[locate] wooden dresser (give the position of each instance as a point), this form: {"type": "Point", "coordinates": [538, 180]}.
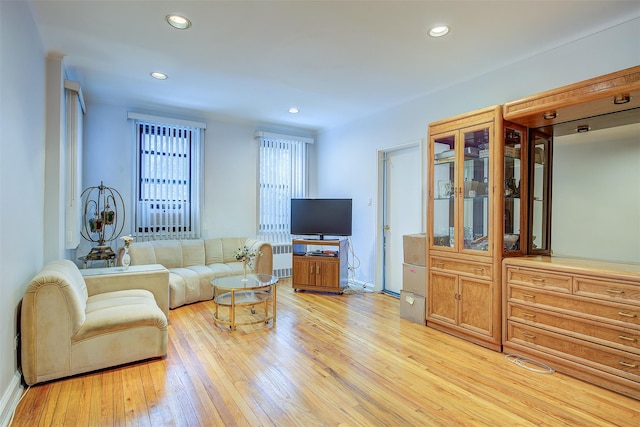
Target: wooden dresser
{"type": "Point", "coordinates": [580, 317]}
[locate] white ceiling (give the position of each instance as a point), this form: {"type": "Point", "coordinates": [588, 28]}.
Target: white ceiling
{"type": "Point", "coordinates": [335, 60]}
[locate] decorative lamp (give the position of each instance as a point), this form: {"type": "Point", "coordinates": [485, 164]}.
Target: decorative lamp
{"type": "Point", "coordinates": [103, 218]}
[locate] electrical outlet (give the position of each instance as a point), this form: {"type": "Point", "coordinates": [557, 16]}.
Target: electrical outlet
{"type": "Point", "coordinates": [16, 342]}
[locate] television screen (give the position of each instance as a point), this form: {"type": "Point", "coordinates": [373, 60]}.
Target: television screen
{"type": "Point", "coordinates": [321, 217]}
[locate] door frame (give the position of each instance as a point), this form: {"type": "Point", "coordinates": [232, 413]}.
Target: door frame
{"type": "Point", "coordinates": [380, 212]}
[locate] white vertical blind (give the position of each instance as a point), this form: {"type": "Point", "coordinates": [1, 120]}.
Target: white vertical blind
{"type": "Point", "coordinates": [169, 176]}
{"type": "Point", "coordinates": [282, 177]}
{"type": "Point", "coordinates": [73, 128]}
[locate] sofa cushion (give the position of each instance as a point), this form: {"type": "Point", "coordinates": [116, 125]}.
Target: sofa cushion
{"type": "Point", "coordinates": [184, 287]}
{"type": "Point", "coordinates": [213, 251]}
{"type": "Point", "coordinates": [206, 275]}
{"type": "Point", "coordinates": [220, 269]}
{"type": "Point", "coordinates": [143, 253]}
{"type": "Point", "coordinates": [229, 247]}
{"type": "Point", "coordinates": [116, 311]}
{"type": "Point", "coordinates": [192, 252]}
{"type": "Point", "coordinates": [168, 253]}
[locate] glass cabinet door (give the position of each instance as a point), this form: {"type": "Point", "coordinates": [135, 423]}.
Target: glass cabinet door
{"type": "Point", "coordinates": [473, 190]}
{"type": "Point", "coordinates": [444, 182]}
{"type": "Point", "coordinates": [514, 191]}
{"type": "Point", "coordinates": [540, 190]}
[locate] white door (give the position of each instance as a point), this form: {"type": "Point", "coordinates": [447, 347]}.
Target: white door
{"type": "Point", "coordinates": [403, 209]}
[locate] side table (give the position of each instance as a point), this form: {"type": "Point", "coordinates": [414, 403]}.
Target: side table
{"type": "Point", "coordinates": [245, 291]}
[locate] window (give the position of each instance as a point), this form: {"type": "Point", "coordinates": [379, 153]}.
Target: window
{"type": "Point", "coordinates": [168, 180]}
{"type": "Point", "coordinates": [282, 176]}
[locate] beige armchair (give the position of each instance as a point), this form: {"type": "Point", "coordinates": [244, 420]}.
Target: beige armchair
{"type": "Point", "coordinates": [65, 331]}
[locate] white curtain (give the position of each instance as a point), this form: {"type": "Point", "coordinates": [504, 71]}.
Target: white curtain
{"type": "Point", "coordinates": [282, 177]}
{"type": "Point", "coordinates": [169, 180]}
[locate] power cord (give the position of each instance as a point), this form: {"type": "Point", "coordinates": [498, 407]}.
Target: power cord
{"type": "Point", "coordinates": [525, 363]}
{"type": "Point", "coordinates": [354, 263]}
{"type": "Point", "coordinates": [353, 257]}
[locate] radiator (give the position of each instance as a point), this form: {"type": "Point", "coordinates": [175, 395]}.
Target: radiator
{"type": "Point", "coordinates": [282, 259]}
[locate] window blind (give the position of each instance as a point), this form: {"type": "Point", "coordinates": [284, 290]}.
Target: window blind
{"type": "Point", "coordinates": [282, 176]}
{"type": "Point", "coordinates": [169, 175]}
{"type": "Point", "coordinates": [75, 108]}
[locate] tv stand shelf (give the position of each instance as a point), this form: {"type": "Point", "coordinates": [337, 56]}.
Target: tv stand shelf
{"type": "Point", "coordinates": [316, 269]}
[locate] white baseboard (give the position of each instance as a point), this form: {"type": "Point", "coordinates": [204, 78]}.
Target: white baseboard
{"type": "Point", "coordinates": [10, 399]}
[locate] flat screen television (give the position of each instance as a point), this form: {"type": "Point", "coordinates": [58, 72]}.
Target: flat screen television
{"type": "Point", "coordinates": [321, 217]}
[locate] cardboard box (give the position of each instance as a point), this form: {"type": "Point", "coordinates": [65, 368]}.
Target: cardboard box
{"type": "Point", "coordinates": [412, 307]}
{"type": "Point", "coordinates": [414, 279]}
{"type": "Point", "coordinates": [415, 248]}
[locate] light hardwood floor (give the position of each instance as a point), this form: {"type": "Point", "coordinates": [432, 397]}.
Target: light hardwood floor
{"type": "Point", "coordinates": [331, 360]}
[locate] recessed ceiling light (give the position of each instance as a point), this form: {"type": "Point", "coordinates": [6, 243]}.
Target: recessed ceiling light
{"type": "Point", "coordinates": [294, 110]}
{"type": "Point", "coordinates": [439, 31]}
{"type": "Point", "coordinates": [158, 75]}
{"type": "Point", "coordinates": [178, 21]}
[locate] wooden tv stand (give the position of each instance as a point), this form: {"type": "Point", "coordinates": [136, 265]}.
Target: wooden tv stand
{"type": "Point", "coordinates": [317, 271]}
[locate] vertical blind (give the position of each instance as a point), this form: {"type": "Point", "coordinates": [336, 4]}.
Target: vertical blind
{"type": "Point", "coordinates": [169, 175]}
{"type": "Point", "coordinates": [282, 177]}
{"type": "Point", "coordinates": [75, 108]}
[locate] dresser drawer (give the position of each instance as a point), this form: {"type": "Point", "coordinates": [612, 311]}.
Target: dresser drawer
{"type": "Point", "coordinates": [539, 279]}
{"type": "Point", "coordinates": [466, 268]}
{"type": "Point", "coordinates": [617, 362]}
{"type": "Point", "coordinates": [617, 314]}
{"type": "Point", "coordinates": [621, 338]}
{"type": "Point", "coordinates": [610, 290]}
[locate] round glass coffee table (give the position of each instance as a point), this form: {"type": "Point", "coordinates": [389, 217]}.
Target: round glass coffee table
{"type": "Point", "coordinates": [240, 291]}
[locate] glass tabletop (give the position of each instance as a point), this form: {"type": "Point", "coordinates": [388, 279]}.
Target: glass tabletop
{"type": "Point", "coordinates": [237, 282]}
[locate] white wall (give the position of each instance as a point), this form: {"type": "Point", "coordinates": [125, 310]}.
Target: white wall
{"type": "Point", "coordinates": [22, 115]}
{"type": "Point", "coordinates": [607, 51]}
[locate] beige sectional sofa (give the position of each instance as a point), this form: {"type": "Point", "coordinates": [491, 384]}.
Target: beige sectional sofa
{"type": "Point", "coordinates": [192, 263]}
{"type": "Point", "coordinates": [69, 325]}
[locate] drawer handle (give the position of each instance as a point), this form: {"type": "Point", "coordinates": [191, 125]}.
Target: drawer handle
{"type": "Point", "coordinates": [478, 270]}
{"type": "Point", "coordinates": [622, 313]}
{"type": "Point", "coordinates": [615, 291]}
{"type": "Point", "coordinates": [528, 296]}
{"type": "Point", "coordinates": [622, 337]}
{"type": "Point", "coordinates": [439, 264]}
{"type": "Point", "coordinates": [526, 335]}
{"type": "Point", "coordinates": [537, 279]}
{"type": "Point", "coordinates": [628, 365]}
{"type": "Point", "coordinates": [528, 315]}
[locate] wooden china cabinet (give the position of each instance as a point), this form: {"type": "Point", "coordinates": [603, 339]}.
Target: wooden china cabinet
{"type": "Point", "coordinates": [580, 316]}
{"type": "Point", "coordinates": [492, 276]}
{"type": "Point", "coordinates": [476, 215]}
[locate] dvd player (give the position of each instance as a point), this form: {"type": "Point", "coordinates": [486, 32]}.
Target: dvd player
{"type": "Point", "coordinates": [323, 253]}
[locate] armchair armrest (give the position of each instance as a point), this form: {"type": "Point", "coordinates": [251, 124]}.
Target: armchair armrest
{"type": "Point", "coordinates": [262, 264]}
{"type": "Point", "coordinates": [152, 277]}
